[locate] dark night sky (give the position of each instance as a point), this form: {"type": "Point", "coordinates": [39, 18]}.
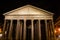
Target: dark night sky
{"type": "Point", "coordinates": [49, 5]}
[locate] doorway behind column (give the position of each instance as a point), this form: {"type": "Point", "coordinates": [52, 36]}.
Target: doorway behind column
{"type": "Point", "coordinates": [43, 30]}
{"type": "Point", "coordinates": [7, 28]}
{"type": "Point", "coordinates": [28, 30]}
{"type": "Point", "coordinates": [36, 30]}
{"type": "Point", "coordinates": [14, 29]}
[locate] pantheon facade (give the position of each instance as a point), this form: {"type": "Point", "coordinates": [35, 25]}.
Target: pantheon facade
{"type": "Point", "coordinates": [28, 23]}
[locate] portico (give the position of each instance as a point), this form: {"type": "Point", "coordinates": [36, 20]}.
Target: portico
{"type": "Point", "coordinates": [28, 23]}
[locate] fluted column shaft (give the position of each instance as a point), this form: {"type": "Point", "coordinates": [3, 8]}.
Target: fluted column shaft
{"type": "Point", "coordinates": [24, 33]}
{"type": "Point", "coordinates": [46, 29]}
{"type": "Point", "coordinates": [4, 30]}
{"type": "Point", "coordinates": [32, 30]}
{"type": "Point", "coordinates": [21, 25]}
{"type": "Point", "coordinates": [17, 30]}
{"type": "Point", "coordinates": [54, 37]}
{"type": "Point", "coordinates": [39, 30]}
{"type": "Point", "coordinates": [10, 31]}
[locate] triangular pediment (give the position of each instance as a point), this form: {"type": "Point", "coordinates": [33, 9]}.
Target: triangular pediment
{"type": "Point", "coordinates": [28, 10]}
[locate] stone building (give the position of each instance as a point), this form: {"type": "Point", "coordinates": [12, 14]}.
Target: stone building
{"type": "Point", "coordinates": [28, 23]}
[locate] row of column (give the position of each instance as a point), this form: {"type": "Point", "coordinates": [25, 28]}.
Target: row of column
{"type": "Point", "coordinates": [19, 29]}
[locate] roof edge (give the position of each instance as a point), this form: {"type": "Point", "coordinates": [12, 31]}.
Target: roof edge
{"type": "Point", "coordinates": [27, 6]}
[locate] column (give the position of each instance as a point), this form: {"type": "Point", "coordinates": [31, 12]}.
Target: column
{"type": "Point", "coordinates": [32, 30]}
{"type": "Point", "coordinates": [10, 31]}
{"type": "Point", "coordinates": [24, 33]}
{"type": "Point", "coordinates": [39, 30]}
{"type": "Point", "coordinates": [4, 30]}
{"type": "Point", "coordinates": [48, 25]}
{"type": "Point", "coordinates": [46, 30]}
{"type": "Point", "coordinates": [7, 28]}
{"type": "Point", "coordinates": [54, 37]}
{"type": "Point", "coordinates": [17, 30]}
{"type": "Point", "coordinates": [50, 29]}
{"type": "Point", "coordinates": [21, 31]}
